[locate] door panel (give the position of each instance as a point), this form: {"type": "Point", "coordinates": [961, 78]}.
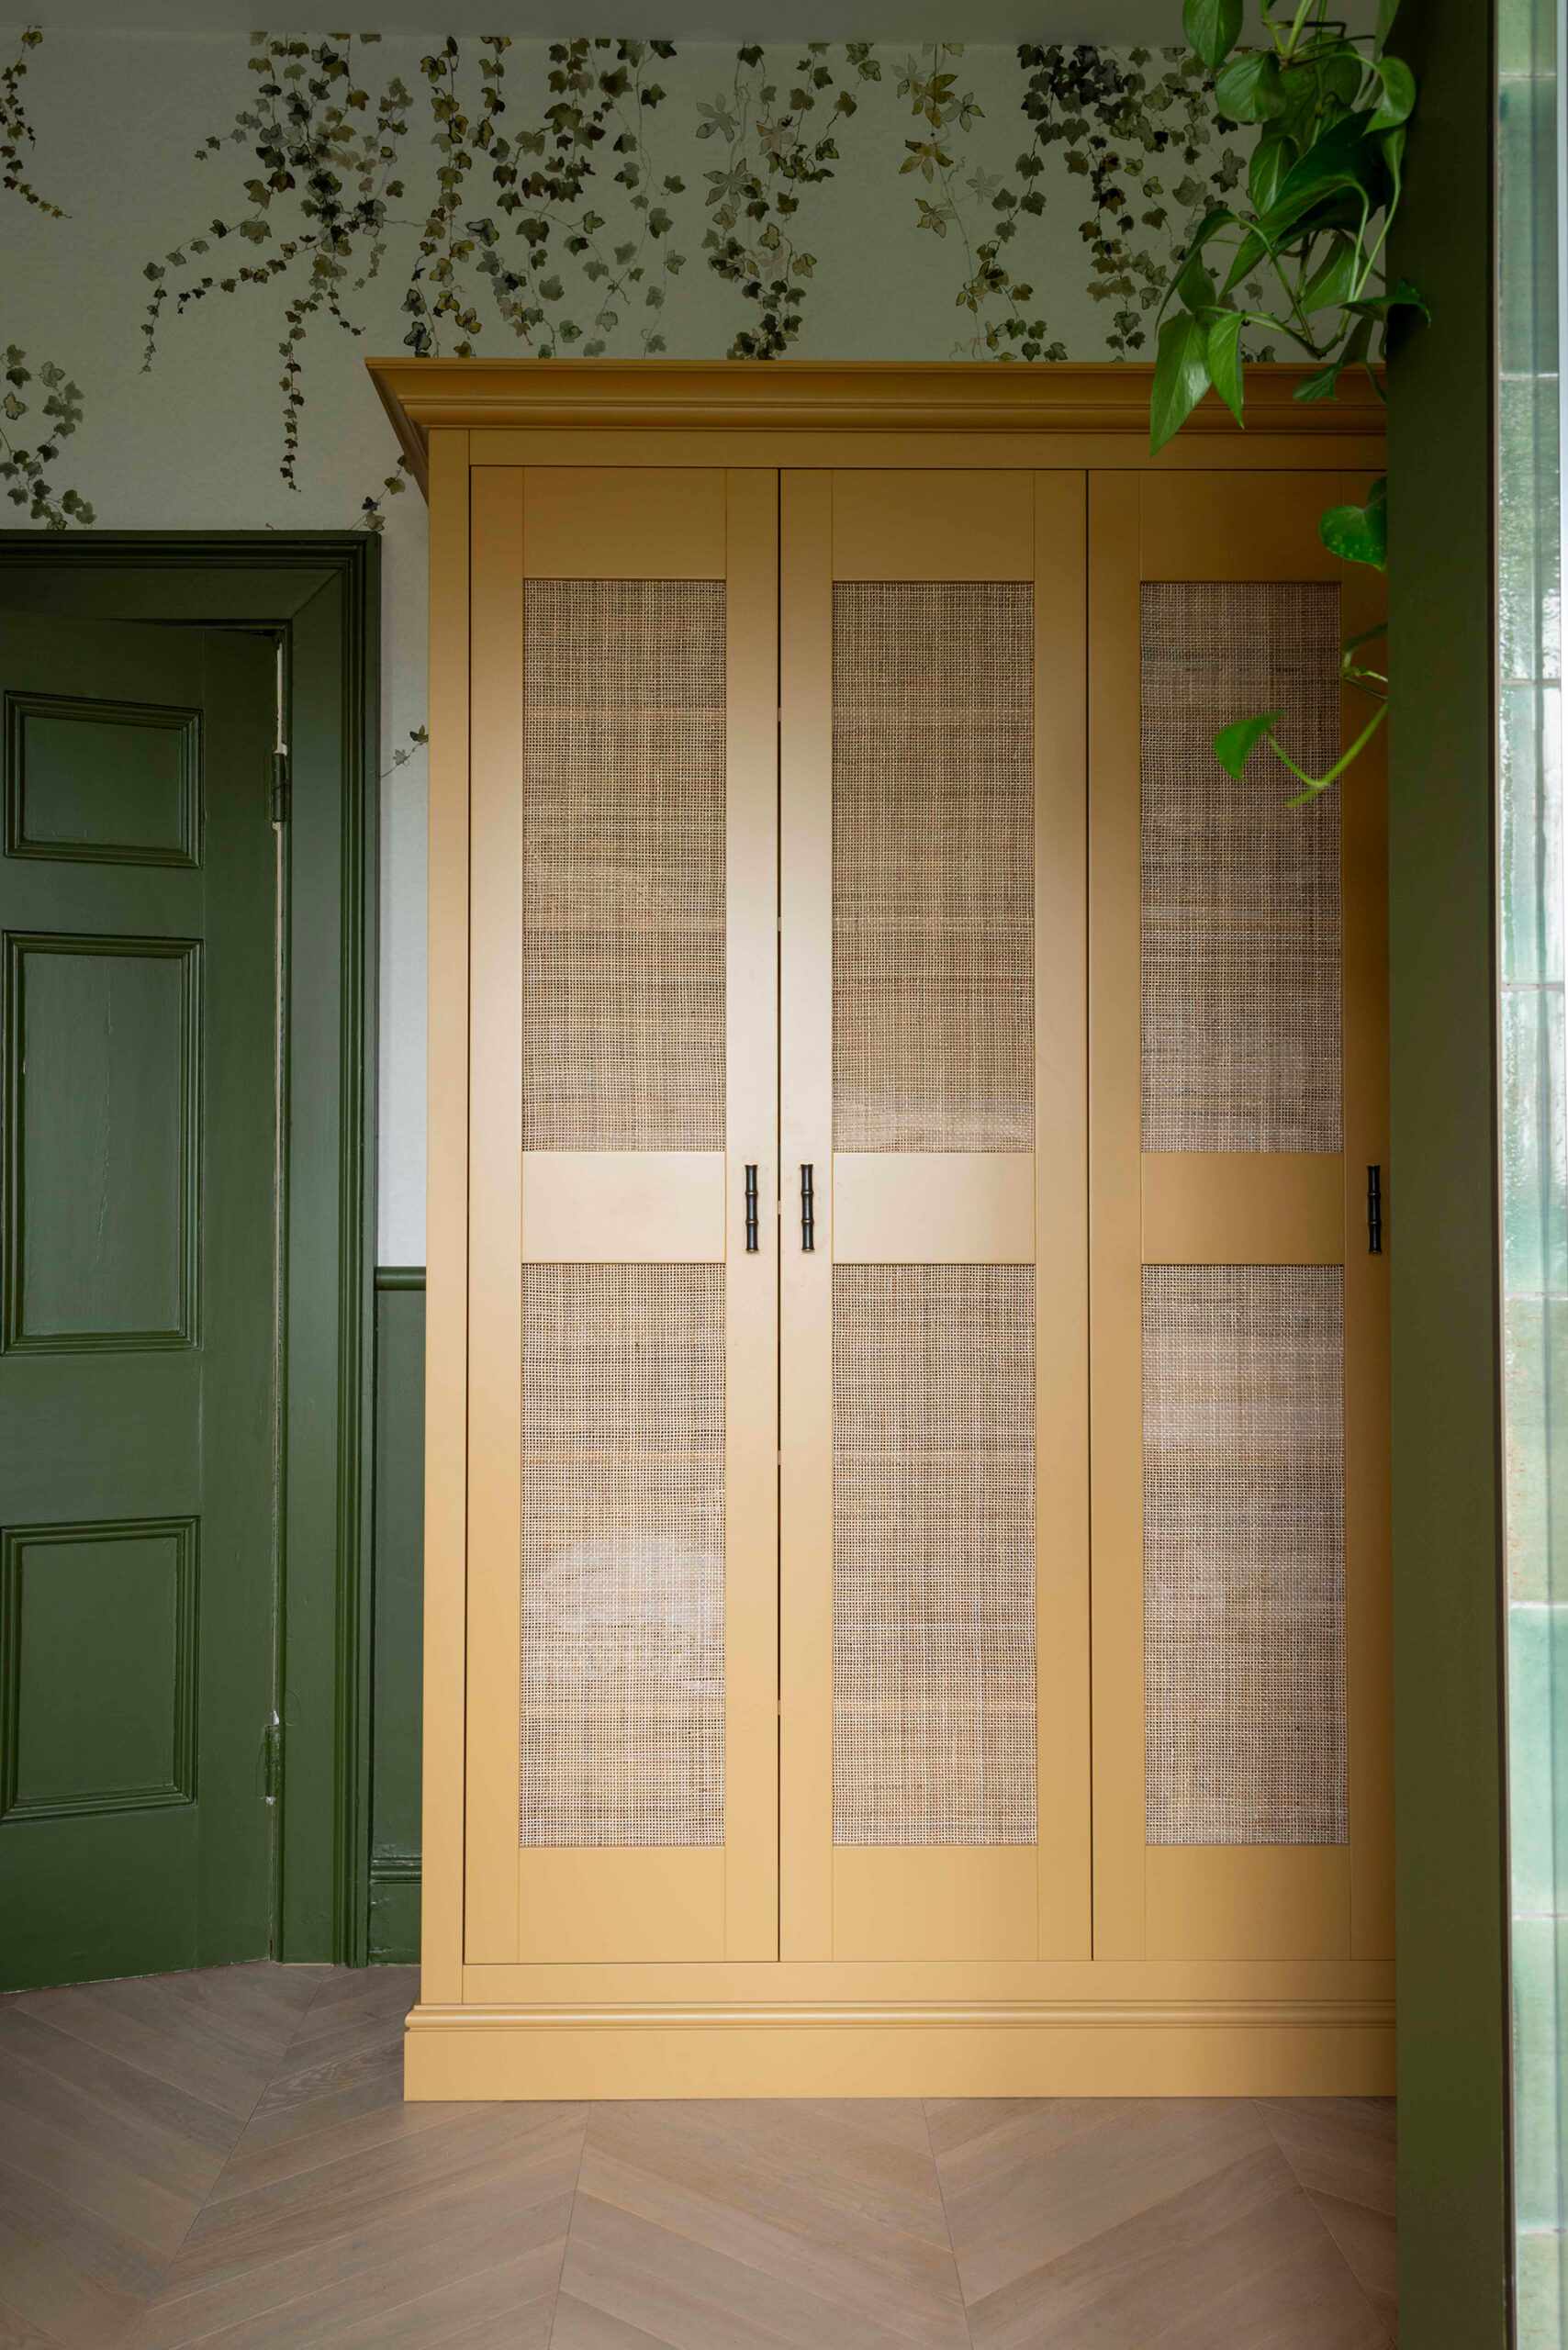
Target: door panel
{"type": "Point", "coordinates": [1240, 1543]}
{"type": "Point", "coordinates": [138, 899]}
{"type": "Point", "coordinates": [104, 1037]}
{"type": "Point", "coordinates": [935, 1560]}
{"type": "Point", "coordinates": [622, 1457]}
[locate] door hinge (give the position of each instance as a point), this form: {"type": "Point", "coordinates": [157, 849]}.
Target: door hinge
{"type": "Point", "coordinates": [271, 1759]}
{"type": "Point", "coordinates": [280, 787]}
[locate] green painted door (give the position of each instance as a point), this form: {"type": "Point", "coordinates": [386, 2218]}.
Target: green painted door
{"type": "Point", "coordinates": [137, 900]}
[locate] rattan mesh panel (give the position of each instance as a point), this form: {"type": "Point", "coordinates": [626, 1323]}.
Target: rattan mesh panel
{"type": "Point", "coordinates": [933, 882]}
{"type": "Point", "coordinates": [624, 846]}
{"type": "Point", "coordinates": [1244, 1554]}
{"type": "Point", "coordinates": [623, 1554]}
{"type": "Point", "coordinates": [1240, 891]}
{"type": "Point", "coordinates": [934, 1554]}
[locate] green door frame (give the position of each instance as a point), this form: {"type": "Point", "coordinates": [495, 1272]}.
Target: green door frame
{"type": "Point", "coordinates": [1452, 1982]}
{"type": "Point", "coordinates": [319, 591]}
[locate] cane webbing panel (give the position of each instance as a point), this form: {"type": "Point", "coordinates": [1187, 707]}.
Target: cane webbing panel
{"type": "Point", "coordinates": [934, 1554]}
{"type": "Point", "coordinates": [1244, 1554]}
{"type": "Point", "coordinates": [933, 857]}
{"type": "Point", "coordinates": [1240, 891]}
{"type": "Point", "coordinates": [623, 1554]}
{"type": "Point", "coordinates": [623, 851]}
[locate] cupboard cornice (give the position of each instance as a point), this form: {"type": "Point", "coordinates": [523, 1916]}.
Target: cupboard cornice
{"type": "Point", "coordinates": [790, 410]}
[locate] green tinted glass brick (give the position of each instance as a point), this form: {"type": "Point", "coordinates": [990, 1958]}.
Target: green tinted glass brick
{"type": "Point", "coordinates": [1531, 844]}
{"type": "Point", "coordinates": [1541, 2274]}
{"type": "Point", "coordinates": [1537, 1756]}
{"type": "Point", "coordinates": [1535, 1180]}
{"type": "Point", "coordinates": [1535, 1398]}
{"type": "Point", "coordinates": [1540, 1949]}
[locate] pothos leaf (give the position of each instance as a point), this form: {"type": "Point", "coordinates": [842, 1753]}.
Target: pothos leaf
{"type": "Point", "coordinates": [1224, 358]}
{"type": "Point", "coordinates": [1360, 534]}
{"type": "Point", "coordinates": [1405, 296]}
{"type": "Point", "coordinates": [1332, 281]}
{"type": "Point", "coordinates": [1213, 28]}
{"type": "Point", "coordinates": [1180, 378]}
{"type": "Point", "coordinates": [1387, 12]}
{"type": "Point", "coordinates": [1249, 88]}
{"type": "Point", "coordinates": [1345, 157]}
{"type": "Point", "coordinates": [1235, 744]}
{"type": "Point", "coordinates": [1272, 159]}
{"type": "Point", "coordinates": [1249, 253]}
{"type": "Point", "coordinates": [1399, 94]}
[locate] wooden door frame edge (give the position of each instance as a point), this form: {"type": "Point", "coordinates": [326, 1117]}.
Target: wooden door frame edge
{"type": "Point", "coordinates": [328, 608]}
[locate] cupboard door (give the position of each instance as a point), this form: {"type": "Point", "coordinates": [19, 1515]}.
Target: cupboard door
{"type": "Point", "coordinates": [934, 1715]}
{"type": "Point", "coordinates": [622, 1485]}
{"type": "Point", "coordinates": [1239, 1091]}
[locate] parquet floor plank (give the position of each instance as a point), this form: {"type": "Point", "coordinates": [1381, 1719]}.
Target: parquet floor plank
{"type": "Point", "coordinates": [119, 2104]}
{"type": "Point", "coordinates": [345, 2216]}
{"type": "Point", "coordinates": [1343, 2151]}
{"type": "Point", "coordinates": [799, 2221]}
{"type": "Point", "coordinates": [224, 2161]}
{"type": "Point", "coordinates": [1124, 2224]}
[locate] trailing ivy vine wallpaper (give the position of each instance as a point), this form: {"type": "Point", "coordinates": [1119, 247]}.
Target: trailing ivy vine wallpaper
{"type": "Point", "coordinates": [204, 237]}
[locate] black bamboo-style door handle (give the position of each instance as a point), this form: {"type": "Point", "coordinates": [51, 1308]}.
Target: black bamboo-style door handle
{"type": "Point", "coordinates": [807, 1212]}
{"type": "Point", "coordinates": [1375, 1211]}
{"type": "Point", "coordinates": [751, 1241]}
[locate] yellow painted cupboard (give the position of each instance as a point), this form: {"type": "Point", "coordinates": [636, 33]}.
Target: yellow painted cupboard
{"type": "Point", "coordinates": [906, 1540]}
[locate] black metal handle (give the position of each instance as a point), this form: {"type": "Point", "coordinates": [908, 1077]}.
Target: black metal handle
{"type": "Point", "coordinates": [751, 1242]}
{"type": "Point", "coordinates": [807, 1212]}
{"type": "Point", "coordinates": [1375, 1211]}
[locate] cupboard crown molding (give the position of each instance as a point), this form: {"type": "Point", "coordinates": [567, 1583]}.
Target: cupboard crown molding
{"type": "Point", "coordinates": [1103, 402]}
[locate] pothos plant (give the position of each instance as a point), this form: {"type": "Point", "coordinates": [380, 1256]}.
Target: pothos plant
{"type": "Point", "coordinates": [1305, 254]}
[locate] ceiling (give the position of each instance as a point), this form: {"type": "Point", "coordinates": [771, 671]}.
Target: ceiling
{"type": "Point", "coordinates": [1112, 23]}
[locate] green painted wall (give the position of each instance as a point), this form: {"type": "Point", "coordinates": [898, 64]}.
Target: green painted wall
{"type": "Point", "coordinates": [398, 1593]}
{"type": "Point", "coordinates": [1453, 2241]}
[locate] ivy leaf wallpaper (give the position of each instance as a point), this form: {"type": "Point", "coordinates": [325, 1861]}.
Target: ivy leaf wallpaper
{"type": "Point", "coordinates": [205, 235]}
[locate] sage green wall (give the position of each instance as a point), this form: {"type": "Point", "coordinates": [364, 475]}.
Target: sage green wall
{"type": "Point", "coordinates": [1453, 2237]}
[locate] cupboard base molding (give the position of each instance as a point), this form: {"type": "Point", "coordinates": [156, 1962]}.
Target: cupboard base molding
{"type": "Point", "coordinates": [1013, 2048]}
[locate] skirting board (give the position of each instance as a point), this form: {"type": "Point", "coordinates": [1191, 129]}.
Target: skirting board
{"type": "Point", "coordinates": [1198, 2048]}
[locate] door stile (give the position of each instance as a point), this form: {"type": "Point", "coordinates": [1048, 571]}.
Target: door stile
{"type": "Point", "coordinates": [444, 1760]}
{"type": "Point", "coordinates": [751, 1353]}
{"type": "Point", "coordinates": [1061, 1213]}
{"type": "Point", "coordinates": [495, 1210]}
{"type": "Point", "coordinates": [1115, 1380]}
{"type": "Point", "coordinates": [805, 769]}
{"type": "Point", "coordinates": [1369, 1594]}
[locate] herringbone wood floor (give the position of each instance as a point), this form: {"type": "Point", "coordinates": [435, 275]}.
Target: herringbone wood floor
{"type": "Point", "coordinates": [225, 2159]}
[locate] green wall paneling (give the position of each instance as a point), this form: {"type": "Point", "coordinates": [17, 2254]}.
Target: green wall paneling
{"type": "Point", "coordinates": [320, 591]}
{"type": "Point", "coordinates": [394, 1931]}
{"type": "Point", "coordinates": [1444, 1222]}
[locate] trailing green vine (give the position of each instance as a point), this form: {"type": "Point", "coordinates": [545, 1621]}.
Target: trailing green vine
{"type": "Point", "coordinates": [935, 99]}
{"type": "Point", "coordinates": [330, 170]}
{"type": "Point", "coordinates": [1306, 253]}
{"type": "Point", "coordinates": [17, 135]}
{"type": "Point", "coordinates": [26, 470]}
{"type": "Point", "coordinates": [1124, 122]}
{"type": "Point", "coordinates": [602, 90]}
{"type": "Point", "coordinates": [751, 242]}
